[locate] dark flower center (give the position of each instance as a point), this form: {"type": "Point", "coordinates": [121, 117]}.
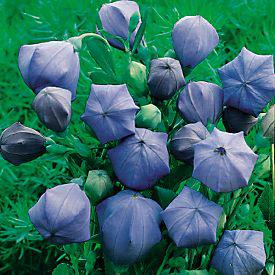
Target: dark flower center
{"type": "Point", "coordinates": [135, 196]}
{"type": "Point", "coordinates": [220, 150]}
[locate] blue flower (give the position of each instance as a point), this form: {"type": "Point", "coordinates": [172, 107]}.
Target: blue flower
{"type": "Point", "coordinates": [165, 77]}
{"type": "Point", "coordinates": [223, 161]}
{"type": "Point", "coordinates": [110, 112]}
{"type": "Point", "coordinates": [248, 82]}
{"type": "Point", "coordinates": [53, 63]}
{"type": "Point", "coordinates": [236, 121]}
{"type": "Point", "coordinates": [201, 101]}
{"type": "Point", "coordinates": [193, 39]}
{"type": "Point", "coordinates": [62, 215]}
{"type": "Point", "coordinates": [19, 144]}
{"type": "Point", "coordinates": [115, 19]}
{"type": "Point", "coordinates": [184, 139]}
{"type": "Point", "coordinates": [129, 225]}
{"type": "Point", "coordinates": [141, 159]}
{"type": "Point", "coordinates": [240, 252]}
{"type": "Point", "coordinates": [53, 108]}
{"type": "Point", "coordinates": [191, 219]}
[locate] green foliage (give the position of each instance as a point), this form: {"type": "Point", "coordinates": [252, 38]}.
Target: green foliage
{"type": "Point", "coordinates": [22, 251]}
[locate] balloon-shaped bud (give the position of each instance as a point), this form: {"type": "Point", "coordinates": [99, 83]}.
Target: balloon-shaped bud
{"type": "Point", "coordinates": [149, 117]}
{"type": "Point", "coordinates": [188, 217]}
{"type": "Point", "coordinates": [19, 144]}
{"type": "Point", "coordinates": [141, 159]}
{"type": "Point", "coordinates": [137, 79]}
{"type": "Point", "coordinates": [268, 124]}
{"type": "Point", "coordinates": [53, 107]}
{"type": "Point", "coordinates": [98, 186]}
{"type": "Point", "coordinates": [129, 225]}
{"type": "Point", "coordinates": [248, 82]}
{"type": "Point", "coordinates": [193, 39]}
{"type": "Point", "coordinates": [165, 77]}
{"type": "Point", "coordinates": [184, 139]}
{"type": "Point", "coordinates": [240, 252]}
{"type": "Point", "coordinates": [236, 121]}
{"type": "Point", "coordinates": [223, 161]}
{"type": "Point", "coordinates": [53, 63]}
{"type": "Point", "coordinates": [62, 215]}
{"type": "Point", "coordinates": [115, 18]}
{"type": "Point", "coordinates": [201, 101]}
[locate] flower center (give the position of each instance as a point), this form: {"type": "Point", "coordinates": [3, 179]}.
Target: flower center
{"type": "Point", "coordinates": [220, 150]}
{"type": "Point", "coordinates": [135, 196]}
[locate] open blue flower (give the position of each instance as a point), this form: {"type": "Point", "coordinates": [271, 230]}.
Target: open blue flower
{"type": "Point", "coordinates": [129, 225]}
{"type": "Point", "coordinates": [191, 219]}
{"type": "Point", "coordinates": [115, 19]}
{"type": "Point", "coordinates": [141, 159]}
{"type": "Point", "coordinates": [110, 112]}
{"type": "Point", "coordinates": [223, 161]}
{"type": "Point", "coordinates": [53, 63]}
{"type": "Point", "coordinates": [193, 39]}
{"type": "Point", "coordinates": [201, 101]}
{"type": "Point", "coordinates": [62, 215]}
{"type": "Point", "coordinates": [248, 82]}
{"type": "Point", "coordinates": [240, 252]}
{"type": "Point", "coordinates": [184, 139]}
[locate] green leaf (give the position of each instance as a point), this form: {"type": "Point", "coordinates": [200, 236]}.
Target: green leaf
{"type": "Point", "coordinates": [90, 262]}
{"type": "Point", "coordinates": [100, 51]}
{"type": "Point", "coordinates": [62, 269]}
{"type": "Point", "coordinates": [140, 31]}
{"type": "Point", "coordinates": [195, 272]}
{"type": "Point", "coordinates": [164, 196]}
{"type": "Point", "coordinates": [133, 22]}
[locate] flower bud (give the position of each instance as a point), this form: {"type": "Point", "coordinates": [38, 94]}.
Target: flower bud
{"type": "Point", "coordinates": [184, 139]}
{"type": "Point", "coordinates": [149, 117]}
{"type": "Point", "coordinates": [53, 107]}
{"type": "Point", "coordinates": [165, 77]}
{"type": "Point", "coordinates": [236, 121]}
{"type": "Point", "coordinates": [129, 225]}
{"type": "Point", "coordinates": [62, 215]}
{"type": "Point", "coordinates": [137, 79]}
{"type": "Point", "coordinates": [193, 39]}
{"type": "Point", "coordinates": [268, 125]}
{"type": "Point", "coordinates": [115, 18]}
{"type": "Point", "coordinates": [98, 185]}
{"type": "Point", "coordinates": [53, 63]}
{"type": "Point", "coordinates": [201, 101]}
{"type": "Point", "coordinates": [19, 144]}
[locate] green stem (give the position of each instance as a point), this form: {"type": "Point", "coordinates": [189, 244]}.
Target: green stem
{"type": "Point", "coordinates": [166, 257]}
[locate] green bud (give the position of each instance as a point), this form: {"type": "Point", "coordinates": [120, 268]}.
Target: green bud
{"type": "Point", "coordinates": [137, 79]}
{"type": "Point", "coordinates": [268, 124]}
{"type": "Point", "coordinates": [98, 186]}
{"type": "Point", "coordinates": [149, 116]}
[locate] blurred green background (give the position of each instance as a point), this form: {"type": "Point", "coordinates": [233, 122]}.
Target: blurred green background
{"type": "Point", "coordinates": [239, 23]}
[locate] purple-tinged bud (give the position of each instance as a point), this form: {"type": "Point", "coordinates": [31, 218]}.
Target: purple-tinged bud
{"type": "Point", "coordinates": [129, 225]}
{"type": "Point", "coordinates": [240, 252]}
{"type": "Point", "coordinates": [19, 144]}
{"type": "Point", "coordinates": [248, 82]}
{"type": "Point", "coordinates": [188, 217]}
{"type": "Point", "coordinates": [184, 139]}
{"type": "Point", "coordinates": [223, 161]}
{"type": "Point", "coordinates": [110, 112]}
{"type": "Point", "coordinates": [201, 101]}
{"type": "Point", "coordinates": [165, 77]}
{"type": "Point", "coordinates": [141, 159]}
{"type": "Point", "coordinates": [268, 124]}
{"type": "Point", "coordinates": [62, 215]}
{"type": "Point", "coordinates": [115, 18]}
{"type": "Point", "coordinates": [193, 39]}
{"type": "Point", "coordinates": [53, 63]}
{"type": "Point", "coordinates": [236, 121]}
{"type": "Point", "coordinates": [53, 108]}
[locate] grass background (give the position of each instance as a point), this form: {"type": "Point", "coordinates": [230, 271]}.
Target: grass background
{"type": "Point", "coordinates": [239, 23]}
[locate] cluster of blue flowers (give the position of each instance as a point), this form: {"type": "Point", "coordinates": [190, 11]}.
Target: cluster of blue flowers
{"type": "Point", "coordinates": [130, 223]}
